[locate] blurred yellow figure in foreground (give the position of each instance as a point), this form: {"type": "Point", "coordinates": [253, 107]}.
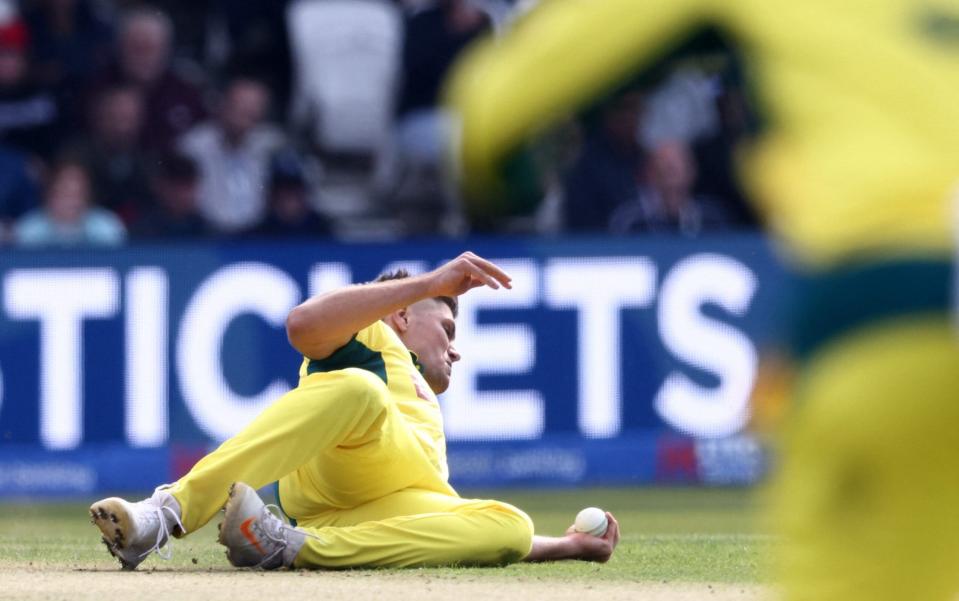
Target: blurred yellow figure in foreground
{"type": "Point", "coordinates": [856, 171]}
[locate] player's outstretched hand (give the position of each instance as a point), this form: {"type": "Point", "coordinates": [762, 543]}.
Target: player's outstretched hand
{"type": "Point", "coordinates": [464, 273]}
{"type": "Point", "coordinates": [596, 548]}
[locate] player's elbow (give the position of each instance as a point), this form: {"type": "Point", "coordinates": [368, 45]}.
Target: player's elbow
{"type": "Point", "coordinates": [308, 329]}
{"type": "Point", "coordinates": [297, 328]}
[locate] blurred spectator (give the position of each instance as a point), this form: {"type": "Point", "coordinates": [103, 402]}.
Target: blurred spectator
{"type": "Point", "coordinates": [175, 214]}
{"type": "Point", "coordinates": [435, 36]}
{"type": "Point", "coordinates": [289, 211]}
{"type": "Point", "coordinates": [681, 107]}
{"type": "Point", "coordinates": [118, 166]}
{"type": "Point", "coordinates": [233, 152]}
{"type": "Point", "coordinates": [604, 175]}
{"type": "Point", "coordinates": [715, 153]}
{"type": "Point", "coordinates": [252, 37]}
{"type": "Point", "coordinates": [29, 116]}
{"type": "Point", "coordinates": [616, 187]}
{"type": "Point", "coordinates": [665, 203]}
{"type": "Point", "coordinates": [190, 20]}
{"type": "Point", "coordinates": [70, 41]}
{"type": "Point", "coordinates": [706, 109]}
{"type": "Point", "coordinates": [173, 104]}
{"type": "Point", "coordinates": [68, 217]}
{"type": "Point", "coordinates": [18, 190]}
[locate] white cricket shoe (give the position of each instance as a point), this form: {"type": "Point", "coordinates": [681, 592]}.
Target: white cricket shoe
{"type": "Point", "coordinates": [253, 536]}
{"type": "Point", "coordinates": [131, 531]}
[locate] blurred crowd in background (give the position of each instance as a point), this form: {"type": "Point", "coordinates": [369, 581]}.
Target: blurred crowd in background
{"type": "Point", "coordinates": [220, 119]}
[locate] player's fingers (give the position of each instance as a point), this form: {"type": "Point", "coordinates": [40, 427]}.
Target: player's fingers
{"type": "Point", "coordinates": [612, 530]}
{"type": "Point", "coordinates": [476, 271]}
{"type": "Point", "coordinates": [468, 275]}
{"type": "Point", "coordinates": [490, 268]}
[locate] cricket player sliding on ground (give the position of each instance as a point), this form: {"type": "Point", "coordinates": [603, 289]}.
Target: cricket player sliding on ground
{"type": "Point", "coordinates": [357, 449]}
{"type": "Point", "coordinates": [857, 171]}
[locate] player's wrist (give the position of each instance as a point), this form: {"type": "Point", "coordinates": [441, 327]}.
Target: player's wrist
{"type": "Point", "coordinates": [432, 285]}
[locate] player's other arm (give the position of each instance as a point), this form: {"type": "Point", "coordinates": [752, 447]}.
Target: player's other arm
{"type": "Point", "coordinates": [322, 324]}
{"type": "Point", "coordinates": [577, 545]}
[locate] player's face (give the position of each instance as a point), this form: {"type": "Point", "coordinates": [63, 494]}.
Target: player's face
{"type": "Point", "coordinates": [430, 335]}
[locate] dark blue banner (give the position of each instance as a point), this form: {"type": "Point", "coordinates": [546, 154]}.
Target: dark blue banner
{"type": "Point", "coordinates": [626, 347]}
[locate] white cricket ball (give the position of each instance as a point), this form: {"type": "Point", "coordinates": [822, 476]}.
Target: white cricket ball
{"type": "Point", "coordinates": [591, 520]}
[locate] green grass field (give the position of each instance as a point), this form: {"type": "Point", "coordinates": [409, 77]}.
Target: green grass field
{"type": "Point", "coordinates": [669, 535]}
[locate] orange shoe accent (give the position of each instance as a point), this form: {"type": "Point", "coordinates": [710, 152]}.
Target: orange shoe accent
{"type": "Point", "coordinates": [245, 529]}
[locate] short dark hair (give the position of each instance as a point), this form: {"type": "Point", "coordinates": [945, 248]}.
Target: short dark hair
{"type": "Point", "coordinates": [399, 274]}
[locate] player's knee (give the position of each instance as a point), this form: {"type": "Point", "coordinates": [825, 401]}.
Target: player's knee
{"type": "Point", "coordinates": [521, 539]}
{"type": "Point", "coordinates": [363, 390]}
{"type": "Point", "coordinates": [352, 390]}
{"type": "Point", "coordinates": [514, 534]}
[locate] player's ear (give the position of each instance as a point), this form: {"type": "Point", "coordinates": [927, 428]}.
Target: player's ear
{"type": "Point", "coordinates": [399, 320]}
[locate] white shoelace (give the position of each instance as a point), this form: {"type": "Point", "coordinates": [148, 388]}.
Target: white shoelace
{"type": "Point", "coordinates": [274, 531]}
{"type": "Point", "coordinates": [163, 532]}
{"type": "Point", "coordinates": [276, 512]}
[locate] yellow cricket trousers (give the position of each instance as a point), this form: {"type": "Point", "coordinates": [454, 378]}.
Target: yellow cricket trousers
{"type": "Point", "coordinates": [353, 472]}
{"type": "Point", "coordinates": [867, 499]}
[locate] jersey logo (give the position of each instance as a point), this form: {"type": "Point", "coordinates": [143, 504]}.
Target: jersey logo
{"type": "Point", "coordinates": [422, 388]}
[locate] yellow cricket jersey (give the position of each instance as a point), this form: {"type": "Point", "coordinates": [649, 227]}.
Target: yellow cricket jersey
{"type": "Point", "coordinates": [379, 350]}
{"type": "Point", "coordinates": [860, 153]}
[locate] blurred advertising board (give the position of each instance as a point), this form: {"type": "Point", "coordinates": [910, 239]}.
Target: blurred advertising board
{"type": "Point", "coordinates": [612, 361]}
